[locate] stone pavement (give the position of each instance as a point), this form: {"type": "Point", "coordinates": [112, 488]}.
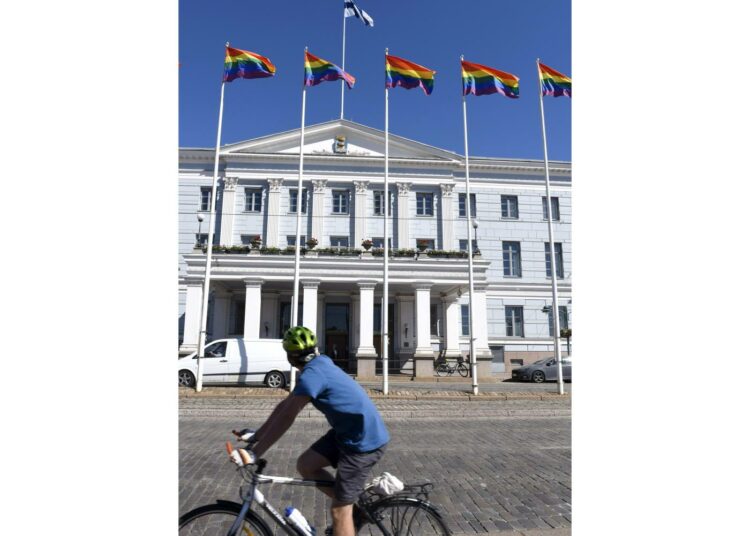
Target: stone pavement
{"type": "Point", "coordinates": [501, 465]}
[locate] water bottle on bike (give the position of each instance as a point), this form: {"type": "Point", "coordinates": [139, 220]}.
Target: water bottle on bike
{"type": "Point", "coordinates": [295, 517]}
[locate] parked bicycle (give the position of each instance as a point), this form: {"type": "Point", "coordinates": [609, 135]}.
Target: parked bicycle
{"type": "Point", "coordinates": [443, 368]}
{"type": "Point", "coordinates": [403, 513]}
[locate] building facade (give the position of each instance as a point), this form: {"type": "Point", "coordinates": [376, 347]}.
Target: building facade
{"type": "Point", "coordinates": [341, 282]}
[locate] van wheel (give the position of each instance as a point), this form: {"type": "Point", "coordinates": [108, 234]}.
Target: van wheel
{"type": "Point", "coordinates": [275, 379]}
{"type": "Point", "coordinates": [186, 378]}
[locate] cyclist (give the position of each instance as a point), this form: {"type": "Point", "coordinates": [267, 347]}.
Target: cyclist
{"type": "Point", "coordinates": [357, 438]}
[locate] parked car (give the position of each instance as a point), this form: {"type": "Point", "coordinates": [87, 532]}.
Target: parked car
{"type": "Point", "coordinates": [238, 361]}
{"type": "Point", "coordinates": [544, 370]}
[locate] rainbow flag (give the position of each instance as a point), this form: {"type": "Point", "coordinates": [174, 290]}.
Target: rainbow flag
{"type": "Point", "coordinates": [481, 80]}
{"type": "Point", "coordinates": [400, 72]}
{"type": "Point", "coordinates": [317, 71]}
{"type": "Point", "coordinates": [554, 83]}
{"type": "Point", "coordinates": [243, 64]}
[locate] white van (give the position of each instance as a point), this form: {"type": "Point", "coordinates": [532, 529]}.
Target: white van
{"type": "Point", "coordinates": [238, 361]}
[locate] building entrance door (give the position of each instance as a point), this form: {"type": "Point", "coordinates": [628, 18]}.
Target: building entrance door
{"type": "Point", "coordinates": [337, 334]}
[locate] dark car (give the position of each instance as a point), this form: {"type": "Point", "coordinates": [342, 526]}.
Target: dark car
{"type": "Point", "coordinates": [544, 370]}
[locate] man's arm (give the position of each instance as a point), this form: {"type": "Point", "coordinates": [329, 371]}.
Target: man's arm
{"type": "Point", "coordinates": [279, 422]}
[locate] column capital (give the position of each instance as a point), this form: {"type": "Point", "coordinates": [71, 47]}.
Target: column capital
{"type": "Point", "coordinates": [230, 183]}
{"type": "Point", "coordinates": [403, 188]}
{"type": "Point", "coordinates": [319, 185]}
{"type": "Point", "coordinates": [367, 285]}
{"type": "Point", "coordinates": [361, 186]}
{"type": "Point", "coordinates": [310, 283]}
{"type": "Point", "coordinates": [194, 281]}
{"type": "Point", "coordinates": [446, 189]}
{"type": "Point", "coordinates": [253, 281]}
{"type": "Point", "coordinates": [480, 287]}
{"type": "Point", "coordinates": [422, 285]}
{"type": "Point", "coordinates": [274, 185]}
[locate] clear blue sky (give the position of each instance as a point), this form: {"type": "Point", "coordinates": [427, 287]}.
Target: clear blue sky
{"type": "Point", "coordinates": [507, 35]}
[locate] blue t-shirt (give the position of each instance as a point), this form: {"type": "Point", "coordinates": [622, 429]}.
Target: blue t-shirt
{"type": "Point", "coordinates": [348, 409]}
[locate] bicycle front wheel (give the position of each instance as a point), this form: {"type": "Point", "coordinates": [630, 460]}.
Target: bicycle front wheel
{"type": "Point", "coordinates": [404, 517]}
{"type": "Point", "coordinates": [463, 370]}
{"type": "Point", "coordinates": [217, 519]}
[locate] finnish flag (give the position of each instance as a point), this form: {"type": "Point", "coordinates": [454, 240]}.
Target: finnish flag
{"type": "Point", "coordinates": [351, 10]}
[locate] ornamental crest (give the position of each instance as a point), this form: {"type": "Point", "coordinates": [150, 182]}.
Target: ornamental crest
{"type": "Point", "coordinates": [340, 145]}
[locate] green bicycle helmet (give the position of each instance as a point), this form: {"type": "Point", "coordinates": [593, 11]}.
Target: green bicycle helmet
{"type": "Point", "coordinates": [299, 339]}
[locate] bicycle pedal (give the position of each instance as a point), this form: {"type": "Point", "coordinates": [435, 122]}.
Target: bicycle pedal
{"type": "Point", "coordinates": [329, 531]}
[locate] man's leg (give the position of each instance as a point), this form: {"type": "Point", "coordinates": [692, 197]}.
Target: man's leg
{"type": "Point", "coordinates": [310, 465]}
{"type": "Point", "coordinates": [343, 521]}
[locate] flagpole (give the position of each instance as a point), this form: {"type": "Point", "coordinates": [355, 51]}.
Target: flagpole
{"type": "Point", "coordinates": [294, 319]}
{"type": "Point", "coordinates": [343, 65]}
{"type": "Point", "coordinates": [386, 251]}
{"type": "Point", "coordinates": [209, 251]}
{"type": "Point", "coordinates": [553, 266]}
{"type": "Point", "coordinates": [470, 250]}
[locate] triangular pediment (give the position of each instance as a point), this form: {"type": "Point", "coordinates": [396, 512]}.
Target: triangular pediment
{"type": "Point", "coordinates": [339, 138]}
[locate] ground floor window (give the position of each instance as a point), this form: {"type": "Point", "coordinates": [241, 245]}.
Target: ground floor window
{"type": "Point", "coordinates": [513, 321]}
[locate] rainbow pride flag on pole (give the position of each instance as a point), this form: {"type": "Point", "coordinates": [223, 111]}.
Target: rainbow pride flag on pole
{"type": "Point", "coordinates": [554, 83]}
{"type": "Point", "coordinates": [481, 80]}
{"type": "Point", "coordinates": [243, 64]}
{"type": "Point", "coordinates": [400, 72]}
{"type": "Point", "coordinates": [318, 70]}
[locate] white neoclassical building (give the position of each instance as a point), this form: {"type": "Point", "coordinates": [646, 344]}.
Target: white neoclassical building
{"type": "Point", "coordinates": [343, 203]}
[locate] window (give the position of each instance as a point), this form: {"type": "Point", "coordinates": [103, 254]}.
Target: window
{"type": "Point", "coordinates": [201, 238]}
{"type": "Point", "coordinates": [464, 320]}
{"type": "Point", "coordinates": [429, 242]}
{"type": "Point", "coordinates": [558, 260]}
{"type": "Point", "coordinates": [512, 259]}
{"type": "Point", "coordinates": [514, 321]}
{"type": "Point", "coordinates": [562, 319]}
{"type": "Point", "coordinates": [247, 239]}
{"type": "Point", "coordinates": [253, 199]}
{"type": "Point", "coordinates": [555, 208]}
{"type": "Point", "coordinates": [424, 204]}
{"type": "Point", "coordinates": [434, 320]}
{"type": "Point", "coordinates": [509, 207]}
{"type": "Point", "coordinates": [205, 199]}
{"type": "Point", "coordinates": [462, 243]}
{"type": "Point", "coordinates": [339, 241]}
{"type": "Point", "coordinates": [378, 202]}
{"type": "Point", "coordinates": [377, 242]}
{"type": "Point", "coordinates": [291, 240]}
{"type": "Point", "coordinates": [341, 201]}
{"type": "Point", "coordinates": [462, 205]}
{"type": "Point", "coordinates": [217, 349]}
{"type": "Point", "coordinates": [293, 200]}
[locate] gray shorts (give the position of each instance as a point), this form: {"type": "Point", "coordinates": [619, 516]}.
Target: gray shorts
{"type": "Point", "coordinates": [352, 468]}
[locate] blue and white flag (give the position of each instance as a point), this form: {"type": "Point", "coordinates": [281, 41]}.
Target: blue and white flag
{"type": "Point", "coordinates": [351, 10]}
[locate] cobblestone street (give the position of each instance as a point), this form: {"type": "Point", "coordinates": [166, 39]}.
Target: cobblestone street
{"type": "Point", "coordinates": [497, 465]}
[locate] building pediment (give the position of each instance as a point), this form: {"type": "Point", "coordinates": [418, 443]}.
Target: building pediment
{"type": "Point", "coordinates": [340, 138]}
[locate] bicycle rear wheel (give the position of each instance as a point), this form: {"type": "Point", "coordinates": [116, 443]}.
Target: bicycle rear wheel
{"type": "Point", "coordinates": [216, 520]}
{"type": "Point", "coordinates": [404, 516]}
{"type": "Point", "coordinates": [442, 369]}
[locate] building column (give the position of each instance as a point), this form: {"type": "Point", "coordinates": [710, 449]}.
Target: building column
{"type": "Point", "coordinates": [252, 308]}
{"type": "Point", "coordinates": [310, 301]}
{"type": "Point", "coordinates": [424, 356]}
{"type": "Point", "coordinates": [366, 355]}
{"type": "Point", "coordinates": [192, 325]}
{"type": "Point", "coordinates": [221, 315]}
{"type": "Point", "coordinates": [452, 325]}
{"type": "Point", "coordinates": [273, 207]}
{"type": "Point", "coordinates": [360, 212]}
{"type": "Point", "coordinates": [319, 190]}
{"type": "Point", "coordinates": [404, 188]}
{"type": "Point", "coordinates": [446, 210]}
{"type": "Point", "coordinates": [481, 345]}
{"type": "Point", "coordinates": [227, 210]}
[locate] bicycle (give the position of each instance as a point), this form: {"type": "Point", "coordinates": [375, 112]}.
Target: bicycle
{"type": "Point", "coordinates": [404, 513]}
{"type": "Point", "coordinates": [443, 368]}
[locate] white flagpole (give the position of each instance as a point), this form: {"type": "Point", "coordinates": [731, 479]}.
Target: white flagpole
{"type": "Point", "coordinates": [294, 320]}
{"type": "Point", "coordinates": [555, 310]}
{"type": "Point", "coordinates": [209, 251]}
{"type": "Point", "coordinates": [386, 251]}
{"type": "Point", "coordinates": [470, 250]}
{"type": "Point", "coordinates": [343, 65]}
